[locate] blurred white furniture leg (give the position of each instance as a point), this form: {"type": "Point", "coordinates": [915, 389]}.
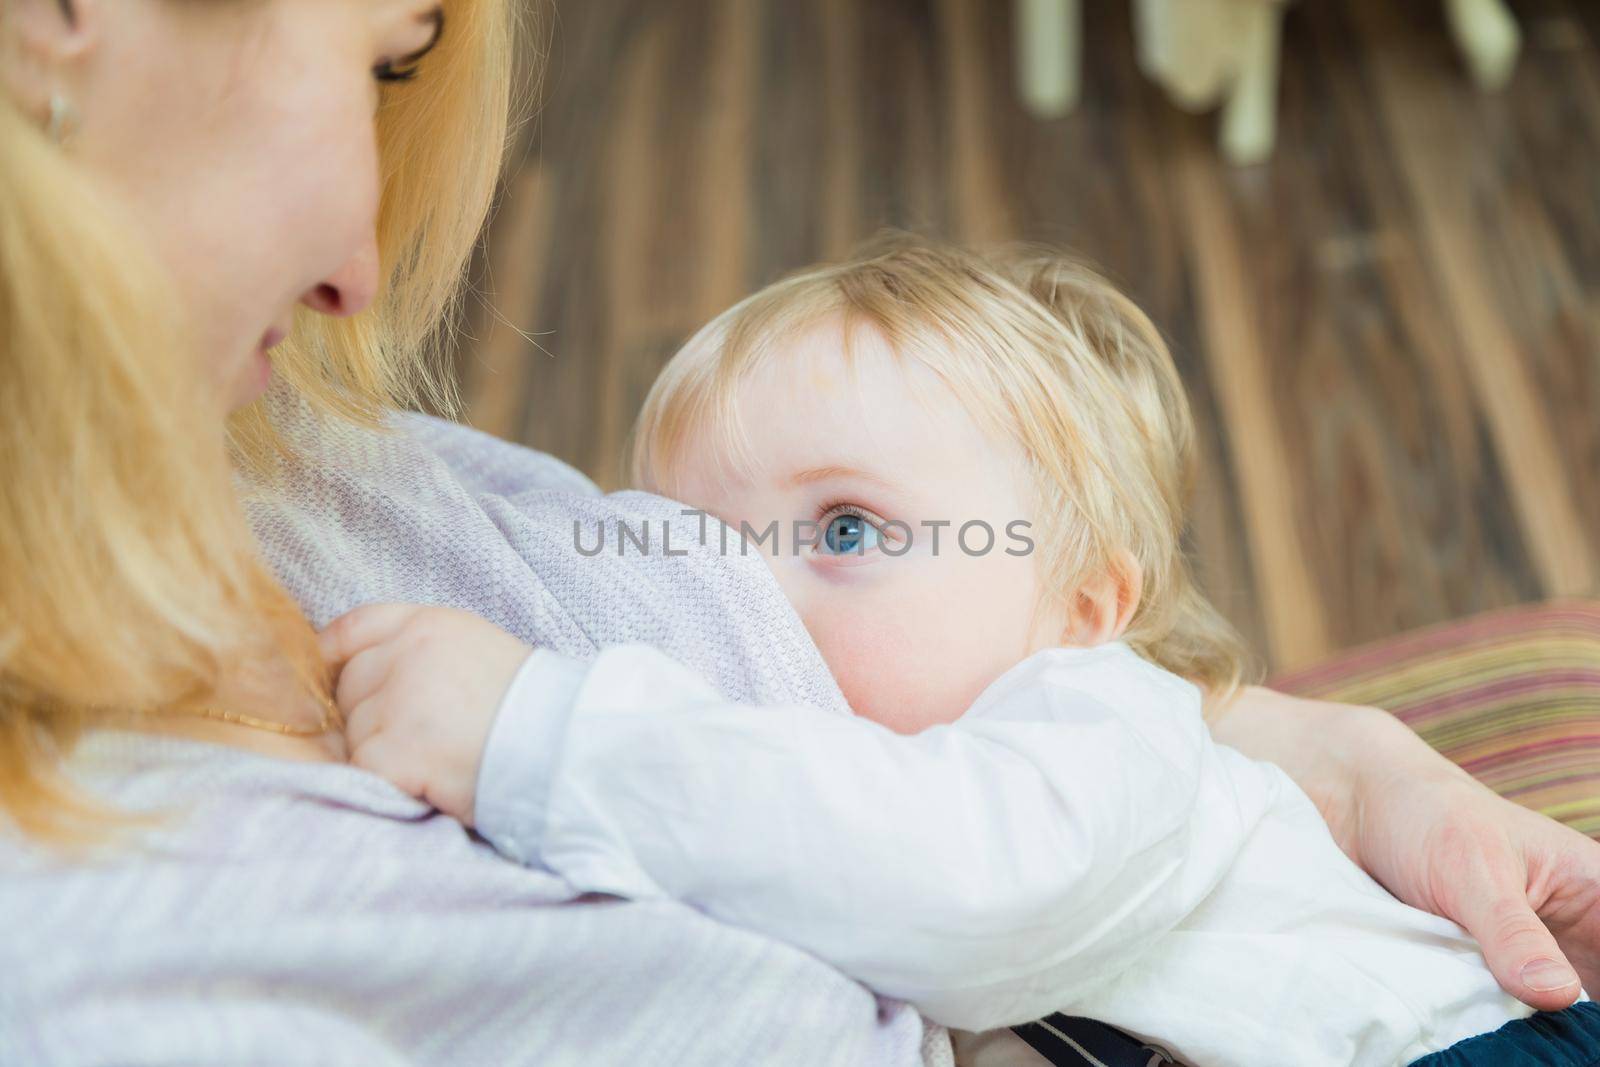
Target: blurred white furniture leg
{"type": "Point", "coordinates": [1488, 36]}
{"type": "Point", "coordinates": [1048, 51]}
{"type": "Point", "coordinates": [1250, 116]}
{"type": "Point", "coordinates": [1210, 53]}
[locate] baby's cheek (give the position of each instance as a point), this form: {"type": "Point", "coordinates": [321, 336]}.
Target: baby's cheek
{"type": "Point", "coordinates": [913, 642]}
{"type": "Point", "coordinates": [904, 671]}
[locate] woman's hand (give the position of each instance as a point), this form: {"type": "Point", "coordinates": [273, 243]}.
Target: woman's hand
{"type": "Point", "coordinates": [1522, 884]}
{"type": "Point", "coordinates": [419, 688]}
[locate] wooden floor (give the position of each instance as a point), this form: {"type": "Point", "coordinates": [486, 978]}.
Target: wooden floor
{"type": "Point", "coordinates": [1391, 332]}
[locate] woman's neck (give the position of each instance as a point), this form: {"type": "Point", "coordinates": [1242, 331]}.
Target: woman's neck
{"type": "Point", "coordinates": [323, 748]}
{"type": "Point", "coordinates": [268, 690]}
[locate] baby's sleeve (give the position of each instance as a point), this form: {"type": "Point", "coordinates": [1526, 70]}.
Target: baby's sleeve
{"type": "Point", "coordinates": [988, 872]}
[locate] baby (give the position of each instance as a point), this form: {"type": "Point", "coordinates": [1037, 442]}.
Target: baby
{"type": "Point", "coordinates": [969, 477]}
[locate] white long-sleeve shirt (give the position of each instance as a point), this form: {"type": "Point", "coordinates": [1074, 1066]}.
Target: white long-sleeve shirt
{"type": "Point", "coordinates": [1178, 890]}
{"type": "Point", "coordinates": [308, 915]}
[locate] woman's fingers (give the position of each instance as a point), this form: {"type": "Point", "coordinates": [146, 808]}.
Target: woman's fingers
{"type": "Point", "coordinates": [1564, 888]}
{"type": "Point", "coordinates": [1520, 950]}
{"type": "Point", "coordinates": [361, 628]}
{"type": "Point", "coordinates": [1524, 957]}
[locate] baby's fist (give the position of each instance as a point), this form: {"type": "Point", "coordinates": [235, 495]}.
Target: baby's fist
{"type": "Point", "coordinates": [419, 688]}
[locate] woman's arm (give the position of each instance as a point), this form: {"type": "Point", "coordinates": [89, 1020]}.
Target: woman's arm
{"type": "Point", "coordinates": [987, 871]}
{"type": "Point", "coordinates": [1525, 886]}
{"type": "Point", "coordinates": [1323, 746]}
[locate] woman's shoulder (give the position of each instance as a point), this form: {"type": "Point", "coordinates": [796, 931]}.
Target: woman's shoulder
{"type": "Point", "coordinates": [209, 815]}
{"type": "Point", "coordinates": [491, 463]}
{"type": "Point", "coordinates": [426, 511]}
{"type": "Point", "coordinates": [406, 448]}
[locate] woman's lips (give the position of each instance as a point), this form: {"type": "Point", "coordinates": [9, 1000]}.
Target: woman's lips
{"type": "Point", "coordinates": [261, 362]}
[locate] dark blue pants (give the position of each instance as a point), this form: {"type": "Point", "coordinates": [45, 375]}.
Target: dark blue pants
{"type": "Point", "coordinates": [1569, 1038]}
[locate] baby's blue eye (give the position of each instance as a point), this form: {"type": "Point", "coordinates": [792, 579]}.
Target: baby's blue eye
{"type": "Point", "coordinates": [848, 533]}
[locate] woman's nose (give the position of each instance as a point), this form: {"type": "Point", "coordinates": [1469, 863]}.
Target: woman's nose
{"type": "Point", "coordinates": [350, 289]}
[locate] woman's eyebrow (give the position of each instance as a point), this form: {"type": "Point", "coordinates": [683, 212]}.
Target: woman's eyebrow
{"type": "Point", "coordinates": [435, 16]}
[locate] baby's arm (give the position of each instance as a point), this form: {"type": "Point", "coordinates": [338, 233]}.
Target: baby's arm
{"type": "Point", "coordinates": [987, 871]}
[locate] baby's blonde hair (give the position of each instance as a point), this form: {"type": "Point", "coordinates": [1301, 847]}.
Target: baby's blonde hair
{"type": "Point", "coordinates": [129, 580]}
{"type": "Point", "coordinates": [1043, 352]}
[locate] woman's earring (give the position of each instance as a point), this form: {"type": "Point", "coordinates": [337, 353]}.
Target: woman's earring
{"type": "Point", "coordinates": [63, 117]}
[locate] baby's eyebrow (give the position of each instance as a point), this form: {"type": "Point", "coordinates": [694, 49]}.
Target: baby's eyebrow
{"type": "Point", "coordinates": [818, 474]}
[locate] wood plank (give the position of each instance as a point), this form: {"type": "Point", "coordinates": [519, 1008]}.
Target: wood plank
{"type": "Point", "coordinates": [1386, 443]}
{"type": "Point", "coordinates": [839, 225]}
{"type": "Point", "coordinates": [980, 210]}
{"type": "Point", "coordinates": [1295, 628]}
{"type": "Point", "coordinates": [1427, 131]}
{"type": "Point", "coordinates": [726, 227]}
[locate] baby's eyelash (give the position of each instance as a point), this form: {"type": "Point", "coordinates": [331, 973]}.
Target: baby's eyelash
{"type": "Point", "coordinates": [840, 507]}
{"type": "Point", "coordinates": [844, 507]}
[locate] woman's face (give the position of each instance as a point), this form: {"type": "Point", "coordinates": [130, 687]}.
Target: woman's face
{"type": "Point", "coordinates": [241, 132]}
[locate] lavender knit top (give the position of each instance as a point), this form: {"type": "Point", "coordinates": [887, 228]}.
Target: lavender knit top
{"type": "Point", "coordinates": [290, 913]}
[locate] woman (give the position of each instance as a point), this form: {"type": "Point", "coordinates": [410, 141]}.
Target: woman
{"type": "Point", "coordinates": [291, 188]}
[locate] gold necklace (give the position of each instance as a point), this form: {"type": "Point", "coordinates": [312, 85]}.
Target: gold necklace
{"type": "Point", "coordinates": [329, 715]}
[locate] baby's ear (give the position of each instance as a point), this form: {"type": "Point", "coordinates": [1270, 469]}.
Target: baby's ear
{"type": "Point", "coordinates": [1103, 606]}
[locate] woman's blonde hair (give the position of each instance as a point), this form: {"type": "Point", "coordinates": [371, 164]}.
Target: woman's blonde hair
{"type": "Point", "coordinates": [128, 576]}
{"type": "Point", "coordinates": [1044, 352]}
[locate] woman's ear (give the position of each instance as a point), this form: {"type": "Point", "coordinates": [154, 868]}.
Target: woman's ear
{"type": "Point", "coordinates": [1103, 606]}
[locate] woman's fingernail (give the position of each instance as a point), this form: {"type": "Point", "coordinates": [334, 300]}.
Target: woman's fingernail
{"type": "Point", "coordinates": [1545, 975]}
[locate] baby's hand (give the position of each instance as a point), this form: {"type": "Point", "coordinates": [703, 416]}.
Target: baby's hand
{"type": "Point", "coordinates": [419, 688]}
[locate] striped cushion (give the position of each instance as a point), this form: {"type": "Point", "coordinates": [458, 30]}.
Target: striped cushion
{"type": "Point", "coordinates": [1512, 696]}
